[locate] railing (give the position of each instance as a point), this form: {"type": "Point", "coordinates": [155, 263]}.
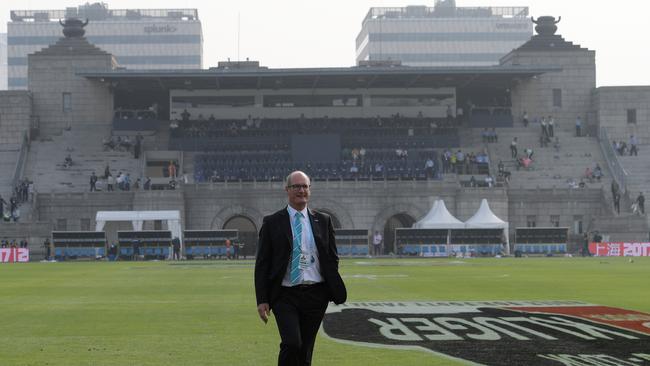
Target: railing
{"type": "Point", "coordinates": [618, 172]}
{"type": "Point", "coordinates": [20, 163]}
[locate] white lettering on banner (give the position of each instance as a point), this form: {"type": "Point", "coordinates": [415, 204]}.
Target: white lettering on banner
{"type": "Point", "coordinates": [441, 329]}
{"type": "Point", "coordinates": [14, 255]}
{"type": "Point", "coordinates": [587, 360]}
{"type": "Point", "coordinates": [618, 249]}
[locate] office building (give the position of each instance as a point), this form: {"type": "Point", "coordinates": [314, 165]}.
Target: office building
{"type": "Point", "coordinates": [138, 38]}
{"type": "Point", "coordinates": [443, 35]}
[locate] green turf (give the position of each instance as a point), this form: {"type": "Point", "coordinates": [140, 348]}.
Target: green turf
{"type": "Point", "coordinates": [204, 313]}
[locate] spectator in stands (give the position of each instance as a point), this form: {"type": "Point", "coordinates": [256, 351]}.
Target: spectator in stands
{"type": "Point", "coordinates": [172, 184]}
{"type": "Point", "coordinates": [529, 153]}
{"type": "Point", "coordinates": [171, 168]}
{"type": "Point", "coordinates": [513, 148]}
{"type": "Point", "coordinates": [588, 175]}
{"type": "Point", "coordinates": [429, 168]}
{"type": "Point", "coordinates": [493, 135]}
{"type": "Point", "coordinates": [489, 181]}
{"type": "Point", "coordinates": [598, 172]}
{"type": "Point", "coordinates": [524, 119]}
{"type": "Point", "coordinates": [614, 187]}
{"type": "Point", "coordinates": [93, 182]}
{"type": "Point", "coordinates": [379, 170]}
{"type": "Point", "coordinates": [13, 204]}
{"type": "Point", "coordinates": [67, 162]}
{"type": "Point", "coordinates": [640, 201]}
{"type": "Point", "coordinates": [110, 183]}
{"type": "Point", "coordinates": [147, 184]}
{"type": "Point", "coordinates": [633, 142]}
{"type": "Point", "coordinates": [450, 113]}
{"type": "Point", "coordinates": [459, 114]}
{"type": "Point", "coordinates": [551, 126]}
{"type": "Point", "coordinates": [185, 116]}
{"type": "Point", "coordinates": [472, 181]}
{"type": "Point", "coordinates": [544, 127]}
{"type": "Point", "coordinates": [377, 241]}
{"type": "Point", "coordinates": [486, 135]}
{"type": "Point", "coordinates": [460, 162]}
{"type": "Point", "coordinates": [617, 202]}
{"type": "Point", "coordinates": [578, 126]}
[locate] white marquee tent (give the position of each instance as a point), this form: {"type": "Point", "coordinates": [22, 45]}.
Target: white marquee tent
{"type": "Point", "coordinates": [439, 218]}
{"type": "Point", "coordinates": [484, 218]}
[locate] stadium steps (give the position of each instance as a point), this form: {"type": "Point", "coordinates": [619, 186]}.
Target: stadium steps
{"type": "Point", "coordinates": [84, 144]}
{"type": "Point", "coordinates": [625, 227]}
{"type": "Point", "coordinates": [638, 169]}
{"type": "Point", "coordinates": [550, 168]}
{"type": "Point", "coordinates": [8, 158]}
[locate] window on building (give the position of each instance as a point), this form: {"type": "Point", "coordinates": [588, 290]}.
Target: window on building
{"type": "Point", "coordinates": [557, 98]}
{"type": "Point", "coordinates": [555, 220]}
{"type": "Point", "coordinates": [62, 224]}
{"type": "Point", "coordinates": [85, 225]}
{"type": "Point", "coordinates": [577, 224]}
{"type": "Point", "coordinates": [67, 102]}
{"type": "Point", "coordinates": [631, 115]}
{"type": "Point", "coordinates": [157, 225]}
{"type": "Point", "coordinates": [530, 221]}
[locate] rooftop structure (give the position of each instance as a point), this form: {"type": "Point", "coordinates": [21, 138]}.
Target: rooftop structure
{"type": "Point", "coordinates": [442, 35]}
{"type": "Point", "coordinates": [138, 38]}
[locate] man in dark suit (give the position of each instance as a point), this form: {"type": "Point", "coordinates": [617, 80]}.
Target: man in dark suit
{"type": "Point", "coordinates": [296, 272]}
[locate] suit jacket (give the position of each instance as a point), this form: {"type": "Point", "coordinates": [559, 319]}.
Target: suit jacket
{"type": "Point", "coordinates": [274, 248]}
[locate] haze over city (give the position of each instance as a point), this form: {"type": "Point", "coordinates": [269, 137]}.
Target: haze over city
{"type": "Point", "coordinates": [289, 34]}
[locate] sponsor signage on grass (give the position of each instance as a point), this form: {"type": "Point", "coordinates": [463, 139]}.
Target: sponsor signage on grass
{"type": "Point", "coordinates": [620, 249]}
{"type": "Point", "coordinates": [10, 255]}
{"type": "Point", "coordinates": [499, 333]}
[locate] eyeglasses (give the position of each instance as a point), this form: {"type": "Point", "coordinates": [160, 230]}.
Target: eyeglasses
{"type": "Point", "coordinates": [297, 187]}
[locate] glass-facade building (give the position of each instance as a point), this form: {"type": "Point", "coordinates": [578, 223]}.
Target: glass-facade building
{"type": "Point", "coordinates": [3, 61]}
{"type": "Point", "coordinates": [443, 35]}
{"type": "Point", "coordinates": [138, 38]}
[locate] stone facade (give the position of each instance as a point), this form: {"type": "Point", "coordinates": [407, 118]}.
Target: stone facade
{"type": "Point", "coordinates": [51, 76]}
{"type": "Point", "coordinates": [354, 205]}
{"type": "Point", "coordinates": [612, 104]}
{"type": "Point", "coordinates": [15, 115]}
{"type": "Point", "coordinates": [577, 82]}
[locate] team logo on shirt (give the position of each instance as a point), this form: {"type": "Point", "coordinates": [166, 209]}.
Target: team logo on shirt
{"type": "Point", "coordinates": [499, 333]}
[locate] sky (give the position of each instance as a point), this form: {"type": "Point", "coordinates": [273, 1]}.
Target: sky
{"type": "Point", "coordinates": [309, 33]}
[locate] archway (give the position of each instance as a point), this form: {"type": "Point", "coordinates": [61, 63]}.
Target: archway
{"type": "Point", "coordinates": [247, 234]}
{"type": "Point", "coordinates": [335, 220]}
{"type": "Point", "coordinates": [396, 221]}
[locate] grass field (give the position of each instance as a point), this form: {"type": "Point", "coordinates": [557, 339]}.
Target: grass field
{"type": "Point", "coordinates": [204, 313]}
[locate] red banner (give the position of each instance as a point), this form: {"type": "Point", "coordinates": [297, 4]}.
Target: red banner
{"type": "Point", "coordinates": [11, 255]}
{"type": "Point", "coordinates": [620, 249]}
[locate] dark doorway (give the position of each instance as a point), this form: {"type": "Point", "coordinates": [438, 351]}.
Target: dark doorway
{"type": "Point", "coordinates": [335, 220]}
{"type": "Point", "coordinates": [396, 221]}
{"type": "Point", "coordinates": [247, 243]}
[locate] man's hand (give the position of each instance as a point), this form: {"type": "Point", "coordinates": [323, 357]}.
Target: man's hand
{"type": "Point", "coordinates": [264, 310]}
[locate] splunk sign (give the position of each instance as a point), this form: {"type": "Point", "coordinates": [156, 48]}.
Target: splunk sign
{"type": "Point", "coordinates": [500, 333]}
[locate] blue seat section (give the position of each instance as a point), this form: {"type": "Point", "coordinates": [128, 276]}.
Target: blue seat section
{"type": "Point", "coordinates": [352, 250]}
{"type": "Point", "coordinates": [79, 252]}
{"type": "Point", "coordinates": [541, 248]}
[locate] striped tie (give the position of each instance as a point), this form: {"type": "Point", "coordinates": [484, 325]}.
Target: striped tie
{"type": "Point", "coordinates": [295, 254]}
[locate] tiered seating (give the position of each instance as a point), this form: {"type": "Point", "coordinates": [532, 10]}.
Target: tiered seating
{"type": "Point", "coordinates": [244, 151]}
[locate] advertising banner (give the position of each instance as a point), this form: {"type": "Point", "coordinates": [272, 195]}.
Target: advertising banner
{"type": "Point", "coordinates": [619, 249]}
{"type": "Point", "coordinates": [11, 255]}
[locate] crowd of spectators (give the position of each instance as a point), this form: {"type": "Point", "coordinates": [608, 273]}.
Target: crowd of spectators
{"type": "Point", "coordinates": [630, 148]}
{"type": "Point", "coordinates": [124, 143]}
{"type": "Point", "coordinates": [23, 192]}
{"type": "Point", "coordinates": [7, 243]}
{"type": "Point", "coordinates": [460, 162]}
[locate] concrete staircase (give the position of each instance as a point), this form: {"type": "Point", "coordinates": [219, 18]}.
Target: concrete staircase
{"type": "Point", "coordinates": [638, 179]}
{"type": "Point", "coordinates": [8, 157]}
{"type": "Point", "coordinates": [84, 144]}
{"type": "Point", "coordinates": [551, 167]}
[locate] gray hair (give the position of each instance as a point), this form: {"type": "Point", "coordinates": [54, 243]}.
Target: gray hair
{"type": "Point", "coordinates": [287, 180]}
